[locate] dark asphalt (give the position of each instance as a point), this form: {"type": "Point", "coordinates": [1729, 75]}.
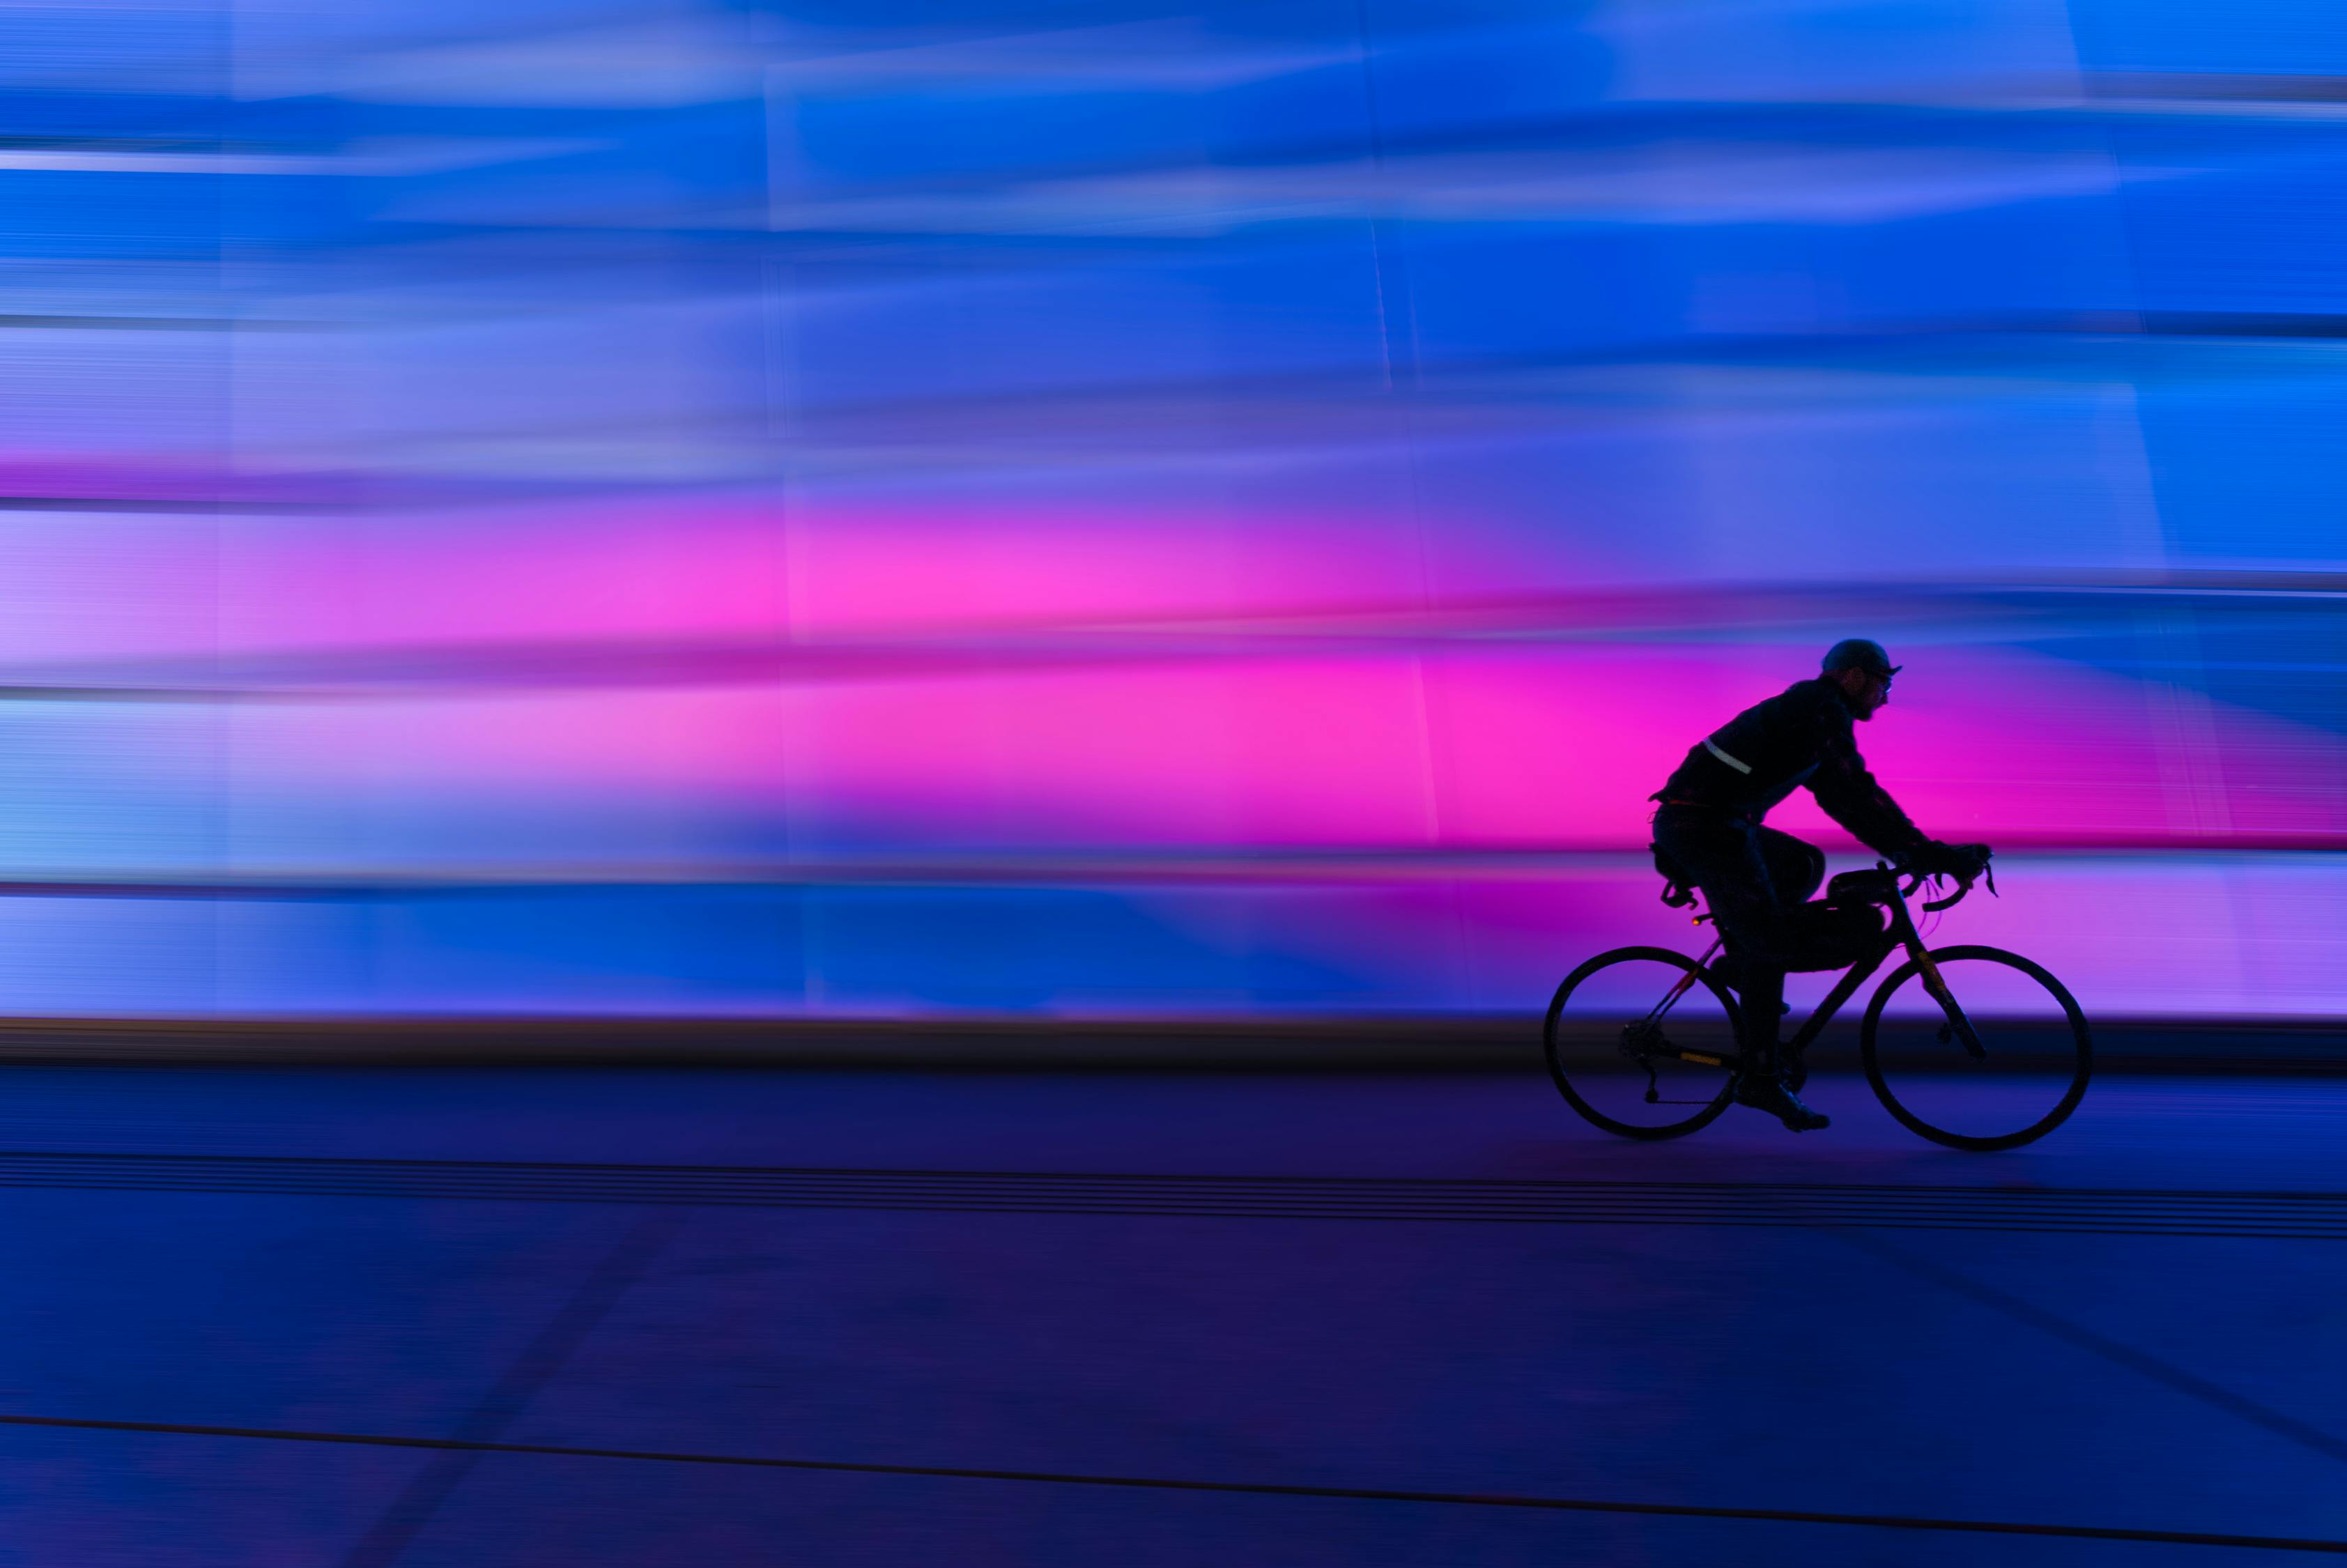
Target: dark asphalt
{"type": "Point", "coordinates": [631, 1316]}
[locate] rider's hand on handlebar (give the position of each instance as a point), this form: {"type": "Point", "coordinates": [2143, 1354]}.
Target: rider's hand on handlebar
{"type": "Point", "coordinates": [1932, 860]}
{"type": "Point", "coordinates": [1964, 862]}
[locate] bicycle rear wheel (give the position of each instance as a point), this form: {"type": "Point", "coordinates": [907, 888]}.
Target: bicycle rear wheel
{"type": "Point", "coordinates": [2036, 1056]}
{"type": "Point", "coordinates": [1606, 1025]}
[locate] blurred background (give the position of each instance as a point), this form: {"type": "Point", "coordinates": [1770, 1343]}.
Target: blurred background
{"type": "Point", "coordinates": [946, 509]}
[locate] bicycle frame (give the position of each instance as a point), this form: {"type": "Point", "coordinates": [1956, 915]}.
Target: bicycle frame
{"type": "Point", "coordinates": [1900, 934]}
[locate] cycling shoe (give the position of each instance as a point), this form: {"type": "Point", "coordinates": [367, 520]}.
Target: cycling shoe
{"type": "Point", "coordinates": [1770, 1094]}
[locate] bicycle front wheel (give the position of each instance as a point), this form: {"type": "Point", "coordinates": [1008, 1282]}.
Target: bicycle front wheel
{"type": "Point", "coordinates": [2033, 1061]}
{"type": "Point", "coordinates": [1615, 1033]}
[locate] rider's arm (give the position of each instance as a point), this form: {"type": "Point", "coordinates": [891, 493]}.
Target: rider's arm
{"type": "Point", "coordinates": [1850, 794]}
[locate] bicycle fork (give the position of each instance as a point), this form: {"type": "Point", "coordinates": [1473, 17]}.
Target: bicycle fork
{"type": "Point", "coordinates": [1958, 1026]}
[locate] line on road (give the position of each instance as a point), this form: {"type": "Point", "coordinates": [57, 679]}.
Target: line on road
{"type": "Point", "coordinates": [1252, 1488]}
{"type": "Point", "coordinates": [387, 1540]}
{"type": "Point", "coordinates": [2215, 1395]}
{"type": "Point", "coordinates": [2319, 1216]}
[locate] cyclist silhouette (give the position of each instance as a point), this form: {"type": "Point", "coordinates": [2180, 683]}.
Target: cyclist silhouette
{"type": "Point", "coordinates": [1757, 880]}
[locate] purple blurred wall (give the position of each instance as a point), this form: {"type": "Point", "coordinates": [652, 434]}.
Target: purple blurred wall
{"type": "Point", "coordinates": [566, 506]}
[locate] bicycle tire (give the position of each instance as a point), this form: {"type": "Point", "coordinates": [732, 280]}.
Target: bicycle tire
{"type": "Point", "coordinates": [2079, 1052]}
{"type": "Point", "coordinates": [1552, 1038]}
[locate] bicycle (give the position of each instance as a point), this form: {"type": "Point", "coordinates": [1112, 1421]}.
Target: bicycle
{"type": "Point", "coordinates": [2002, 1068]}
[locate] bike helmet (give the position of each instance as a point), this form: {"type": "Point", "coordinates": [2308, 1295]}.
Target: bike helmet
{"type": "Point", "coordinates": [1859, 654]}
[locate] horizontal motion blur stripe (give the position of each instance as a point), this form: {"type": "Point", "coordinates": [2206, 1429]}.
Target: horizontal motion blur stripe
{"type": "Point", "coordinates": [2050, 608]}
{"type": "Point", "coordinates": [166, 504]}
{"type": "Point", "coordinates": [2279, 87]}
{"type": "Point", "coordinates": [1207, 865]}
{"type": "Point", "coordinates": [2083, 1210]}
{"type": "Point", "coordinates": [1941, 355]}
{"type": "Point", "coordinates": [21, 323]}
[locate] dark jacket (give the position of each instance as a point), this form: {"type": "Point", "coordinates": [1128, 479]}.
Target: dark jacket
{"type": "Point", "coordinates": [1800, 736]}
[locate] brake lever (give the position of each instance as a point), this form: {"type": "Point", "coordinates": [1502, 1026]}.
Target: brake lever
{"type": "Point", "coordinates": [1989, 872]}
{"type": "Point", "coordinates": [1936, 905]}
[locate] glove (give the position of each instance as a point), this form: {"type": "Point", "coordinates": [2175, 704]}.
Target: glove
{"type": "Point", "coordinates": [1961, 861]}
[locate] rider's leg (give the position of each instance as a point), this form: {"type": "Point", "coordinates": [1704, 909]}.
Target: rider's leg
{"type": "Point", "coordinates": [1764, 1082]}
{"type": "Point", "coordinates": [1797, 868]}
{"type": "Point", "coordinates": [1764, 1006]}
{"type": "Point", "coordinates": [1816, 937]}
{"type": "Point", "coordinates": [1726, 857]}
